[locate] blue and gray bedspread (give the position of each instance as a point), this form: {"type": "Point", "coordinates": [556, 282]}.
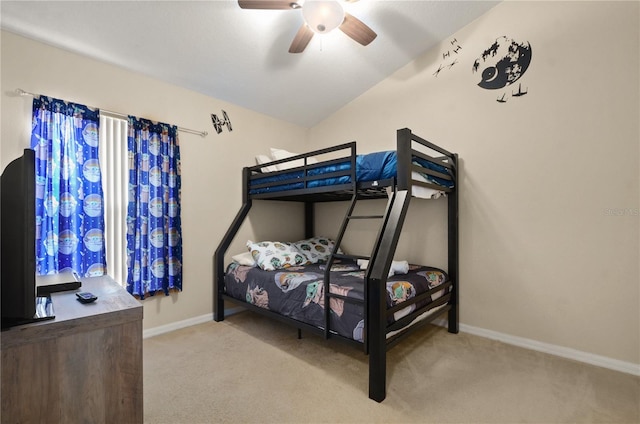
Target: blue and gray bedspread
{"type": "Point", "coordinates": [298, 292]}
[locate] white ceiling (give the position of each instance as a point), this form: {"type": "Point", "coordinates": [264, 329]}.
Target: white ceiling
{"type": "Point", "coordinates": [241, 56]}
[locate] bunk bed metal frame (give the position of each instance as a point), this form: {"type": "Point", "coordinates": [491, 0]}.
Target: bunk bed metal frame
{"type": "Point", "coordinates": [376, 342]}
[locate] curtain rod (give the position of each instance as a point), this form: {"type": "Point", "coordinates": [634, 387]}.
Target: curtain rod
{"type": "Point", "coordinates": [202, 134]}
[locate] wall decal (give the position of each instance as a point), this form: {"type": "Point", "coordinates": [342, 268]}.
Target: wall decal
{"type": "Point", "coordinates": [219, 123]}
{"type": "Point", "coordinates": [502, 64]}
{"type": "Point", "coordinates": [449, 60]}
{"type": "Point", "coordinates": [520, 92]}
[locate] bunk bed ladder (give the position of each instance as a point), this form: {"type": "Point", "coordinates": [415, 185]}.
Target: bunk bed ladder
{"type": "Point", "coordinates": [349, 217]}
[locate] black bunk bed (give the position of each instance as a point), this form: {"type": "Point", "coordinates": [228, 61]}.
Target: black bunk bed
{"type": "Point", "coordinates": [337, 179]}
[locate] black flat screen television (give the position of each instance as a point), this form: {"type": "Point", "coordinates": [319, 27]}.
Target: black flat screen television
{"type": "Point", "coordinates": [18, 244]}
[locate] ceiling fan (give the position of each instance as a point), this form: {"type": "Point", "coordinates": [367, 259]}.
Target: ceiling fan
{"type": "Point", "coordinates": [320, 17]}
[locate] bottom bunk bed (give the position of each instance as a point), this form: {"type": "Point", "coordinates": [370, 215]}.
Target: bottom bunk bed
{"type": "Point", "coordinates": [298, 293]}
{"type": "Point", "coordinates": [375, 304]}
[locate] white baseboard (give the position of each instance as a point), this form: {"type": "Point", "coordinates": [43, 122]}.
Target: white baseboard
{"type": "Point", "coordinates": [564, 352]}
{"type": "Point", "coordinates": [156, 331]}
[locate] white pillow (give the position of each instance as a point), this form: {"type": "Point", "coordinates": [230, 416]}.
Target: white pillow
{"type": "Point", "coordinates": [245, 258]}
{"type": "Point", "coordinates": [278, 154]}
{"type": "Point", "coordinates": [260, 159]}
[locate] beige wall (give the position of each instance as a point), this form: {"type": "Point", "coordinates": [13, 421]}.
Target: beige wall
{"type": "Point", "coordinates": [541, 258]}
{"type": "Point", "coordinates": [211, 166]}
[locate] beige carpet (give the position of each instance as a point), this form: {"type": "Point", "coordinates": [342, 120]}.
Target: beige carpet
{"type": "Point", "coordinates": [248, 369]}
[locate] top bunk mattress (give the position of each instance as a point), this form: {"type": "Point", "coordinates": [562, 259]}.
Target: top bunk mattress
{"type": "Point", "coordinates": [375, 166]}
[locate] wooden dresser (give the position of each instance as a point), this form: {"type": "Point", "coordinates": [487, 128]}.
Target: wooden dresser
{"type": "Point", "coordinates": [84, 366]}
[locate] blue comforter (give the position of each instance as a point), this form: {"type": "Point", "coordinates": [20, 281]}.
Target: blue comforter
{"type": "Point", "coordinates": [369, 167]}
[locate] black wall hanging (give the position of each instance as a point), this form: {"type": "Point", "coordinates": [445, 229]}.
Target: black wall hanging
{"type": "Point", "coordinates": [449, 60]}
{"type": "Point", "coordinates": [219, 123]}
{"type": "Point", "coordinates": [501, 65]}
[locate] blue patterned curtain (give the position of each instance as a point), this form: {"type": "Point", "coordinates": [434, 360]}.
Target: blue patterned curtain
{"type": "Point", "coordinates": [154, 230]}
{"type": "Point", "coordinates": [69, 210]}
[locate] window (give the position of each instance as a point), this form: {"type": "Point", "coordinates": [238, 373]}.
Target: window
{"type": "Point", "coordinates": [114, 165]}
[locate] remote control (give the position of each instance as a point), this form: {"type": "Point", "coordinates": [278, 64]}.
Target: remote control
{"type": "Point", "coordinates": [86, 297]}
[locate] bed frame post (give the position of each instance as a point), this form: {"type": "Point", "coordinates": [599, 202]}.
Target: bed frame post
{"type": "Point", "coordinates": [453, 248]}
{"type": "Point", "coordinates": [376, 337]}
{"type": "Point", "coordinates": [403, 149]}
{"type": "Point", "coordinates": [376, 280]}
{"type": "Point", "coordinates": [218, 257]}
{"type": "Point", "coordinates": [309, 218]}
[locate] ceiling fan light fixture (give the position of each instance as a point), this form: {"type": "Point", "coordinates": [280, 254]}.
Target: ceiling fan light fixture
{"type": "Point", "coordinates": [322, 16]}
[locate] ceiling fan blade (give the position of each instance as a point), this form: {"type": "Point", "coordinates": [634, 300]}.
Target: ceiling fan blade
{"type": "Point", "coordinates": [357, 30]}
{"type": "Point", "coordinates": [301, 39]}
{"type": "Point", "coordinates": [266, 4]}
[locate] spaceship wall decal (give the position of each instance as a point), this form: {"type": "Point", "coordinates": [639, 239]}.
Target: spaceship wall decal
{"type": "Point", "coordinates": [519, 92]}
{"type": "Point", "coordinates": [219, 123]}
{"type": "Point", "coordinates": [446, 56]}
{"type": "Point", "coordinates": [502, 64]}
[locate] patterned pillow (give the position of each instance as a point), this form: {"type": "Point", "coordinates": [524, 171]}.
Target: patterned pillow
{"type": "Point", "coordinates": [273, 255]}
{"type": "Point", "coordinates": [316, 249]}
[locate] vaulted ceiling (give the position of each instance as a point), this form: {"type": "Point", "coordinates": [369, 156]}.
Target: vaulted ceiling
{"type": "Point", "coordinates": [241, 56]}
